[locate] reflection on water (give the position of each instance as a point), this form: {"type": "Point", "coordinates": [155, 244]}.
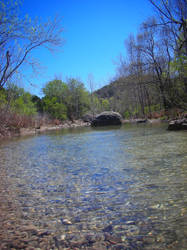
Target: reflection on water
{"type": "Point", "coordinates": [90, 188]}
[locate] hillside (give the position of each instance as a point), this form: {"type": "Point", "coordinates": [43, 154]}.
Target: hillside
{"type": "Point", "coordinates": [112, 88]}
{"type": "Point", "coordinates": [133, 97]}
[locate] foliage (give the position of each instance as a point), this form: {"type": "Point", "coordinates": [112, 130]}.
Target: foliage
{"type": "Point", "coordinates": [179, 65]}
{"type": "Point", "coordinates": [38, 103]}
{"type": "Point", "coordinates": [54, 108]}
{"type": "Point", "coordinates": [3, 99]}
{"type": "Point", "coordinates": [77, 99]}
{"type": "Point", "coordinates": [56, 88]}
{"type": "Point", "coordinates": [105, 105]}
{"type": "Point", "coordinates": [23, 105]}
{"type": "Point", "coordinates": [16, 100]}
{"type": "Point", "coordinates": [65, 100]}
{"type": "Point", "coordinates": [126, 114]}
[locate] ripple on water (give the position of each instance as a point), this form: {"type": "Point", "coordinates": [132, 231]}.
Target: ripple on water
{"type": "Point", "coordinates": [95, 189]}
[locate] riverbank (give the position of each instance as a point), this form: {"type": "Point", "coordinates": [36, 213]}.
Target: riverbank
{"type": "Point", "coordinates": [152, 121]}
{"type": "Point", "coordinates": [16, 132]}
{"type": "Point", "coordinates": [40, 129]}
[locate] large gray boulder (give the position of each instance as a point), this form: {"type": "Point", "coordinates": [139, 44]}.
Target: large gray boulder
{"type": "Point", "coordinates": [180, 124]}
{"type": "Point", "coordinates": [107, 118]}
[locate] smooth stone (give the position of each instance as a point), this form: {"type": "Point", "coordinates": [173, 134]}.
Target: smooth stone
{"type": "Point", "coordinates": [62, 237]}
{"type": "Point", "coordinates": [108, 228]}
{"type": "Point", "coordinates": [66, 222]}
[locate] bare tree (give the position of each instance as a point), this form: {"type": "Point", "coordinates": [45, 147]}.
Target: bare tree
{"type": "Point", "coordinates": [174, 13]}
{"type": "Point", "coordinates": [20, 36]}
{"type": "Point", "coordinates": [157, 53]}
{"type": "Point", "coordinates": [138, 70]}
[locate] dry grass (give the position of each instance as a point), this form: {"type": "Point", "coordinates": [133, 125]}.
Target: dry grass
{"type": "Point", "coordinates": [11, 122]}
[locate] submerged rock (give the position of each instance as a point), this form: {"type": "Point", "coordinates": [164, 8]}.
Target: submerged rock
{"type": "Point", "coordinates": [107, 118]}
{"type": "Point", "coordinates": [141, 120]}
{"type": "Point", "coordinates": [66, 222]}
{"type": "Point", "coordinates": [180, 124]}
{"type": "Point", "coordinates": [108, 228]}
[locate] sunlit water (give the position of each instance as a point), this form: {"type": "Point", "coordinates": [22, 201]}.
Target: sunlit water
{"type": "Point", "coordinates": [112, 188]}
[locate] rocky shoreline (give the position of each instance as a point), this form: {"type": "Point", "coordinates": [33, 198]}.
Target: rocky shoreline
{"type": "Point", "coordinates": [33, 131]}
{"type": "Point", "coordinates": [68, 124]}
{"type": "Point", "coordinates": [173, 125]}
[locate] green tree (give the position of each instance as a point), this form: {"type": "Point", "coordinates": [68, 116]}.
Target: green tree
{"type": "Point", "coordinates": [54, 108]}
{"type": "Point", "coordinates": [23, 105]}
{"type": "Point", "coordinates": [15, 99]}
{"type": "Point", "coordinates": [71, 97]}
{"type": "Point", "coordinates": [3, 99]}
{"type": "Point", "coordinates": [56, 88]}
{"type": "Point", "coordinates": [77, 100]}
{"type": "Point", "coordinates": [105, 105]}
{"type": "Point", "coordinates": [54, 101]}
{"type": "Point", "coordinates": [38, 103]}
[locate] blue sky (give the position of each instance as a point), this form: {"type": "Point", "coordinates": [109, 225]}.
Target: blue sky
{"type": "Point", "coordinates": [94, 33]}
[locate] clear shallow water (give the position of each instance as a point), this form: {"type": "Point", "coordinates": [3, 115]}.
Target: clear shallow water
{"type": "Point", "coordinates": [109, 188]}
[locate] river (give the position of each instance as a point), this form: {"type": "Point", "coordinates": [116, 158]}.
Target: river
{"type": "Point", "coordinates": [105, 188]}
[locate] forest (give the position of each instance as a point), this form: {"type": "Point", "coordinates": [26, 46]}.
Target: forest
{"type": "Point", "coordinates": [150, 81]}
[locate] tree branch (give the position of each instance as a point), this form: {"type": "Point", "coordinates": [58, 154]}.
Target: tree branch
{"type": "Point", "coordinates": [5, 70]}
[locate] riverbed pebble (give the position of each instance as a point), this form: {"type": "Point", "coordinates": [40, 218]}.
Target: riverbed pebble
{"type": "Point", "coordinates": [66, 222]}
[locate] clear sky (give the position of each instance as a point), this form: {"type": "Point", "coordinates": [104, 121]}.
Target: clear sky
{"type": "Point", "coordinates": [94, 33]}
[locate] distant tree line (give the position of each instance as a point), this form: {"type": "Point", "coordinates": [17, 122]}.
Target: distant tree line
{"type": "Point", "coordinates": [69, 100]}
{"type": "Point", "coordinates": [61, 101]}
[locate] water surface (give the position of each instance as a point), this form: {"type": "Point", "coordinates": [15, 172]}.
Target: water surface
{"type": "Point", "coordinates": [106, 188]}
